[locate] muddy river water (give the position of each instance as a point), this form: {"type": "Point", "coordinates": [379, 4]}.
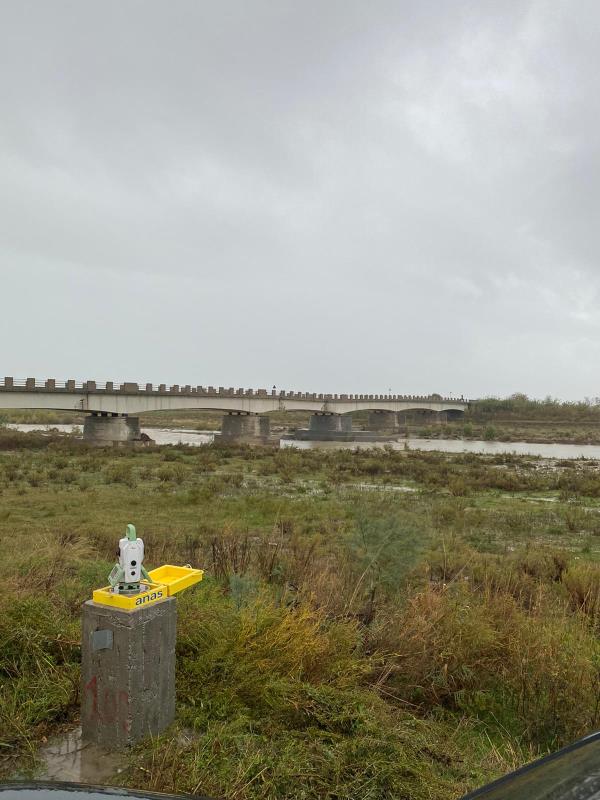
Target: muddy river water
{"type": "Point", "coordinates": [197, 438]}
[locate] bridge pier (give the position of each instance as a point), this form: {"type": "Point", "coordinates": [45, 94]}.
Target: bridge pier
{"type": "Point", "coordinates": [104, 429]}
{"type": "Point", "coordinates": [327, 427]}
{"type": "Point", "coordinates": [331, 427]}
{"type": "Point", "coordinates": [245, 429]}
{"type": "Point", "coordinates": [324, 424]}
{"type": "Point", "coordinates": [421, 417]}
{"type": "Point", "coordinates": [382, 422]}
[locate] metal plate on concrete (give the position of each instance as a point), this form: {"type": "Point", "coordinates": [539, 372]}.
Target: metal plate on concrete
{"type": "Point", "coordinates": [102, 640]}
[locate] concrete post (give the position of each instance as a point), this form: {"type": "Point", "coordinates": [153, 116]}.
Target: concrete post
{"type": "Point", "coordinates": [127, 672]}
{"type": "Point", "coordinates": [104, 430]}
{"type": "Point", "coordinates": [245, 428]}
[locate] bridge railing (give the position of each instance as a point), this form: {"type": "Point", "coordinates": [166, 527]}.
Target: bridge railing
{"type": "Point", "coordinates": [132, 387]}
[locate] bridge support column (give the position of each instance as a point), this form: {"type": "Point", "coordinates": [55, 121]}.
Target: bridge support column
{"type": "Point", "coordinates": [382, 421]}
{"type": "Point", "coordinates": [441, 417]}
{"type": "Point", "coordinates": [102, 429]}
{"type": "Point", "coordinates": [329, 427]}
{"type": "Point", "coordinates": [245, 429]}
{"type": "Point", "coordinates": [419, 417]}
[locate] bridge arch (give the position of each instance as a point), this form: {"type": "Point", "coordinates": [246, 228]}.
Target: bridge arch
{"type": "Point", "coordinates": [133, 398]}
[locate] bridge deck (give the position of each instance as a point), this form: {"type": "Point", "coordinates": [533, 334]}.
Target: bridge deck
{"type": "Point", "coordinates": [129, 398]}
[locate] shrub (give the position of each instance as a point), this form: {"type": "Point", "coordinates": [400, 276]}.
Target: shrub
{"type": "Point", "coordinates": [489, 433]}
{"type": "Point", "coordinates": [535, 672]}
{"type": "Point", "coordinates": [120, 473]}
{"type": "Point", "coordinates": [39, 666]}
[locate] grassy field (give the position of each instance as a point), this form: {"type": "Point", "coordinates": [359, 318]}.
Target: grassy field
{"type": "Point", "coordinates": [374, 624]}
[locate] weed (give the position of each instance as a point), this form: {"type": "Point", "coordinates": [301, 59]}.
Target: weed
{"type": "Point", "coordinates": [350, 639]}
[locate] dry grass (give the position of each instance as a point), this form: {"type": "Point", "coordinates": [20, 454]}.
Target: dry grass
{"type": "Point", "coordinates": [347, 642]}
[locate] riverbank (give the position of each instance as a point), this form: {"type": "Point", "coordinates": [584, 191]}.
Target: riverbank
{"type": "Point", "coordinates": [192, 438]}
{"type": "Point", "coordinates": [574, 430]}
{"type": "Point", "coordinates": [402, 623]}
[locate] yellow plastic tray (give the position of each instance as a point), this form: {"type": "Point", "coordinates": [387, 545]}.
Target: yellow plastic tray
{"type": "Point", "coordinates": [176, 578]}
{"type": "Point", "coordinates": [153, 594]}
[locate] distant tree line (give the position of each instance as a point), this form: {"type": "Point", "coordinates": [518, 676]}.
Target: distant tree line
{"type": "Point", "coordinates": [520, 406]}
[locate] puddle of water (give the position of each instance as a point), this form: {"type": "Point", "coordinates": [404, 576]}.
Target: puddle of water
{"type": "Point", "coordinates": [542, 499]}
{"type": "Point", "coordinates": [380, 487]}
{"type": "Point", "coordinates": [68, 758]}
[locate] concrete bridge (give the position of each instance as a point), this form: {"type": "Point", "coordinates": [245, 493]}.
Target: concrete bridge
{"type": "Point", "coordinates": [112, 408]}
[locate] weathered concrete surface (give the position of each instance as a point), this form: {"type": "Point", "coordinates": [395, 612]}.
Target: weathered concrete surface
{"type": "Point", "coordinates": [328, 428]}
{"type": "Point", "coordinates": [127, 672]}
{"type": "Point", "coordinates": [338, 428]}
{"type": "Point", "coordinates": [422, 417]}
{"type": "Point", "coordinates": [381, 421]}
{"type": "Point", "coordinates": [249, 428]}
{"type": "Point", "coordinates": [330, 423]}
{"type": "Point", "coordinates": [104, 430]}
{"type": "Point", "coordinates": [306, 435]}
{"type": "Point", "coordinates": [132, 398]}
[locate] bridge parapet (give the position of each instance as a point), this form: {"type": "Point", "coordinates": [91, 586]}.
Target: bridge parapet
{"type": "Point", "coordinates": [51, 385]}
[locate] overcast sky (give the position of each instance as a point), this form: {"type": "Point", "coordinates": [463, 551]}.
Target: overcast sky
{"type": "Point", "coordinates": [324, 195]}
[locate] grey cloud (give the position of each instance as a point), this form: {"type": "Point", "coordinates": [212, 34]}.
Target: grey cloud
{"type": "Point", "coordinates": [336, 196]}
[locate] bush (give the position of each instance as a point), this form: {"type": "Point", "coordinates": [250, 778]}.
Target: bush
{"type": "Point", "coordinates": [274, 693]}
{"type": "Point", "coordinates": [173, 474]}
{"type": "Point", "coordinates": [482, 654]}
{"type": "Point", "coordinates": [120, 473]}
{"type": "Point", "coordinates": [39, 666]}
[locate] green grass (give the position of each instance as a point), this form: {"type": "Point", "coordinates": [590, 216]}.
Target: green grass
{"type": "Point", "coordinates": [350, 640]}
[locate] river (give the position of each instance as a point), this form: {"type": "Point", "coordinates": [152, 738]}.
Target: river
{"type": "Point", "coordinates": [197, 438]}
{"type": "Point", "coordinates": [159, 435]}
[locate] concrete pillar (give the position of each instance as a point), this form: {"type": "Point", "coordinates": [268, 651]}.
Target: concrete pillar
{"type": "Point", "coordinates": [245, 428]}
{"type": "Point", "coordinates": [382, 421]}
{"type": "Point", "coordinates": [322, 424]}
{"type": "Point", "coordinates": [104, 430]}
{"type": "Point", "coordinates": [127, 672]}
{"type": "Point", "coordinates": [328, 428]}
{"type": "Point", "coordinates": [417, 417]}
